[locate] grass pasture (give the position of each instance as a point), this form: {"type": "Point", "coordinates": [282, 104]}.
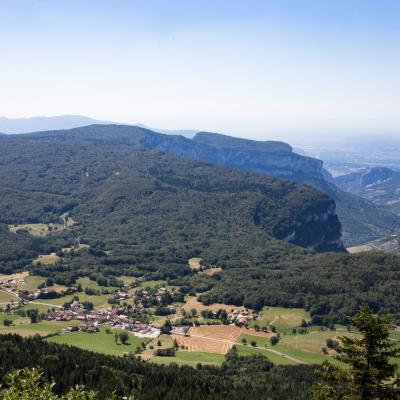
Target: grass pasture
{"type": "Point", "coordinates": [282, 318]}
{"type": "Point", "coordinates": [193, 303]}
{"type": "Point", "coordinates": [166, 342]}
{"type": "Point", "coordinates": [312, 342]}
{"type": "Point", "coordinates": [100, 342]}
{"type": "Point", "coordinates": [260, 341]}
{"type": "Point", "coordinates": [23, 281]}
{"type": "Point", "coordinates": [23, 326]}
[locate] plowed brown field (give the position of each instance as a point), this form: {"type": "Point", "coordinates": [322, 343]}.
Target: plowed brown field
{"type": "Point", "coordinates": [214, 338]}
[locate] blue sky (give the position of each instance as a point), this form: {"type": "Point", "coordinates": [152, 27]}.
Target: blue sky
{"type": "Point", "coordinates": [259, 69]}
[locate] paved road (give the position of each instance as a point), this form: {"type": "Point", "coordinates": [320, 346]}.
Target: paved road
{"type": "Point", "coordinates": [278, 353]}
{"type": "Point", "coordinates": [44, 304]}
{"type": "Point", "coordinates": [30, 302]}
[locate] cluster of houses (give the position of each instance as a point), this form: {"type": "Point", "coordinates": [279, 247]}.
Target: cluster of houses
{"type": "Point", "coordinates": [241, 317]}
{"type": "Point", "coordinates": [92, 319]}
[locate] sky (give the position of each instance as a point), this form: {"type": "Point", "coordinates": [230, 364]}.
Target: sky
{"type": "Point", "coordinates": [255, 68]}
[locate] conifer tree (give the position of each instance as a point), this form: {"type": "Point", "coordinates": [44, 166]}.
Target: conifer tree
{"type": "Point", "coordinates": [369, 373]}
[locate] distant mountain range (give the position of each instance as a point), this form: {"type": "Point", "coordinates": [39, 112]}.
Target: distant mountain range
{"type": "Point", "coordinates": [37, 124]}
{"type": "Point", "coordinates": [380, 185]}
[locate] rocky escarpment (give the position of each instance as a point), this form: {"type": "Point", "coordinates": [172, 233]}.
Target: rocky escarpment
{"type": "Point", "coordinates": [312, 225]}
{"type": "Point", "coordinates": [272, 158]}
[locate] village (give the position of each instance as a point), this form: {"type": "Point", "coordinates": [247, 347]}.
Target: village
{"type": "Point", "coordinates": [140, 311]}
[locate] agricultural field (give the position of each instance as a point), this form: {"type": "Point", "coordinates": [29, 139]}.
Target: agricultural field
{"type": "Point", "coordinates": [101, 342]}
{"type": "Point", "coordinates": [216, 339]}
{"type": "Point", "coordinates": [281, 318]}
{"type": "Point", "coordinates": [193, 303]}
{"type": "Point", "coordinates": [23, 326]}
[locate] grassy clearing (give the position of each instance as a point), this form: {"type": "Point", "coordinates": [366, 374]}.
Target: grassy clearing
{"type": "Point", "coordinates": [31, 283]}
{"type": "Point", "coordinates": [280, 317]}
{"type": "Point", "coordinates": [191, 358]}
{"type": "Point", "coordinates": [127, 279]}
{"type": "Point", "coordinates": [152, 284]}
{"type": "Point", "coordinates": [260, 341]}
{"type": "Point", "coordinates": [306, 357]}
{"type": "Point", "coordinates": [194, 263]}
{"type": "Point", "coordinates": [193, 303]}
{"type": "Point", "coordinates": [38, 230]}
{"type": "Point", "coordinates": [46, 259]}
{"type": "Point", "coordinates": [100, 342]}
{"type": "Point", "coordinates": [312, 342]}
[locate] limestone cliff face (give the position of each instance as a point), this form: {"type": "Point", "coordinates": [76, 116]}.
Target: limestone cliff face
{"type": "Point", "coordinates": [320, 232]}
{"type": "Point", "coordinates": [313, 224]}
{"type": "Point", "coordinates": [272, 158]}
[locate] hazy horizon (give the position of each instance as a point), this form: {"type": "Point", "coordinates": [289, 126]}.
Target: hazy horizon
{"type": "Point", "coordinates": [263, 69]}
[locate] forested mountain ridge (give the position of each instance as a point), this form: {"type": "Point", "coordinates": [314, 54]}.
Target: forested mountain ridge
{"type": "Point", "coordinates": [361, 220]}
{"type": "Point", "coordinates": [133, 200]}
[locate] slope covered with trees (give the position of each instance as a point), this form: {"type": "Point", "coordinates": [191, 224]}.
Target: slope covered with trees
{"type": "Point", "coordinates": [133, 202]}
{"type": "Point", "coordinates": [144, 213]}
